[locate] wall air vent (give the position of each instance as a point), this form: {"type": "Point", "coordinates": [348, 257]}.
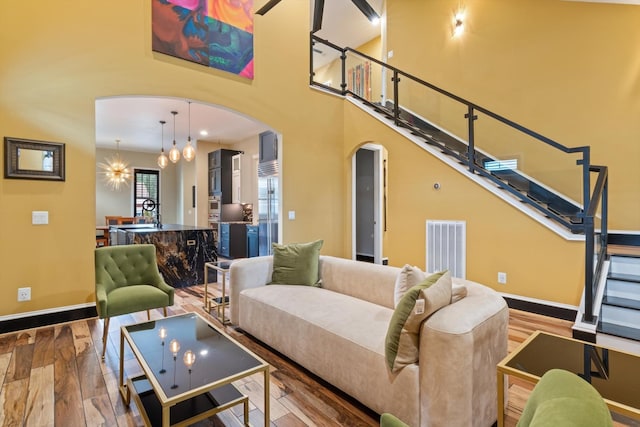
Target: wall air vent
{"type": "Point", "coordinates": [446, 247]}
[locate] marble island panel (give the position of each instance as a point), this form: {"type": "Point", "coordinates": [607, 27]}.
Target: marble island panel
{"type": "Point", "coordinates": [181, 250]}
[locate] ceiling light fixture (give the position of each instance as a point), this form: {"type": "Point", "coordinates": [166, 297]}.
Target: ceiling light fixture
{"type": "Point", "coordinates": [174, 153]}
{"type": "Point", "coordinates": [318, 8]}
{"type": "Point", "coordinates": [458, 24]}
{"type": "Point", "coordinates": [115, 170]}
{"type": "Point", "coordinates": [163, 160]}
{"type": "Point", "coordinates": [368, 11]}
{"type": "Point", "coordinates": [188, 152]}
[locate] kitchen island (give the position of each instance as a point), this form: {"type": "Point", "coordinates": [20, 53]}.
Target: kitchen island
{"type": "Point", "coordinates": [181, 250]}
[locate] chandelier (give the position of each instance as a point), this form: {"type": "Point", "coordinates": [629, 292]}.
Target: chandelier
{"type": "Point", "coordinates": [115, 170]}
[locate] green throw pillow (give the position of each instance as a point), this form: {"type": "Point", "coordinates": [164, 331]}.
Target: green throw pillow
{"type": "Point", "coordinates": [402, 343]}
{"type": "Point", "coordinates": [296, 263]}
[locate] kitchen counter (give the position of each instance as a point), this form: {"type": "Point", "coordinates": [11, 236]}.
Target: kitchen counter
{"type": "Point", "coordinates": [151, 228]}
{"type": "Point", "coordinates": [181, 250]}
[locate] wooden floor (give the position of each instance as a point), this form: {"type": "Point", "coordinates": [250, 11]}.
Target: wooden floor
{"type": "Point", "coordinates": [53, 376]}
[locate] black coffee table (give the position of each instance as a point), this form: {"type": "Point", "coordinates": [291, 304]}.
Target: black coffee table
{"type": "Point", "coordinates": [169, 393]}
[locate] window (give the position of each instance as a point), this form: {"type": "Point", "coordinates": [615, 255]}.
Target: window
{"type": "Point", "coordinates": [146, 186]}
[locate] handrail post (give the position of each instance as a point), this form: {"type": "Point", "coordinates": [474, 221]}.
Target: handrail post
{"type": "Point", "coordinates": [396, 106]}
{"type": "Point", "coordinates": [588, 273]}
{"type": "Point", "coordinates": [604, 229]}
{"type": "Point", "coordinates": [586, 174]}
{"type": "Point", "coordinates": [343, 85]}
{"type": "Point", "coordinates": [312, 43]}
{"type": "Point", "coordinates": [471, 150]}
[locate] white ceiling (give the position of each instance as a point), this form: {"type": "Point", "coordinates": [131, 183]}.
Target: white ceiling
{"type": "Point", "coordinates": [134, 120]}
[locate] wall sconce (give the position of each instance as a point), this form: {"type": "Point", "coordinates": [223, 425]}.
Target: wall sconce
{"type": "Point", "coordinates": [458, 24]}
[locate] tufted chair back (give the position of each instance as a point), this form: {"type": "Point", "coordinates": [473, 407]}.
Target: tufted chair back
{"type": "Point", "coordinates": [127, 281]}
{"type": "Point", "coordinates": [126, 265]}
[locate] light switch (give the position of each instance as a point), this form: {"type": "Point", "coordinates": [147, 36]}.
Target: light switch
{"type": "Point", "coordinates": [292, 214]}
{"type": "Point", "coordinates": [39, 217]}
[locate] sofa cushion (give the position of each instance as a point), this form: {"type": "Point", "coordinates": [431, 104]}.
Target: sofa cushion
{"type": "Point", "coordinates": [410, 276]}
{"type": "Point", "coordinates": [417, 304]}
{"type": "Point", "coordinates": [296, 263]}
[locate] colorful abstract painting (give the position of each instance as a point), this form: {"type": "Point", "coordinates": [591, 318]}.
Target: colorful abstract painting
{"type": "Point", "coordinates": [215, 33]}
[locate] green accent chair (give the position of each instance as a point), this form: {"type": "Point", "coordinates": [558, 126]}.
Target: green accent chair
{"type": "Point", "coordinates": [563, 399]}
{"type": "Point", "coordinates": [128, 281]}
{"type": "Point", "coordinates": [388, 420]}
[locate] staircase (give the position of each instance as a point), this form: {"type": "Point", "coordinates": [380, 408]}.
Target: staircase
{"type": "Point", "coordinates": [568, 218]}
{"type": "Point", "coordinates": [528, 190]}
{"type": "Point", "coordinates": [620, 311]}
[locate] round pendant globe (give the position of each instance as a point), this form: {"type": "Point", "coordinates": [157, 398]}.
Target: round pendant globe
{"type": "Point", "coordinates": [188, 152]}
{"type": "Point", "coordinates": [163, 160]}
{"type": "Point", "coordinates": [174, 154]}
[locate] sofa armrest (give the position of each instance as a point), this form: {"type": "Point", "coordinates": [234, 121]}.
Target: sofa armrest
{"type": "Point", "coordinates": [460, 346]}
{"type": "Point", "coordinates": [244, 274]}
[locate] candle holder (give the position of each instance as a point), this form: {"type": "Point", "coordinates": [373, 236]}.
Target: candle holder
{"type": "Point", "coordinates": [174, 347]}
{"type": "Point", "coordinates": [189, 359]}
{"type": "Point", "coordinates": [163, 334]}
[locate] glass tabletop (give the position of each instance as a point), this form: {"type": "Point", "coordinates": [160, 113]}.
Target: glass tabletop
{"type": "Point", "coordinates": [214, 356]}
{"type": "Point", "coordinates": [613, 373]}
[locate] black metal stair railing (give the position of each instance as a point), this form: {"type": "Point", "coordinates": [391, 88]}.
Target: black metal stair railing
{"type": "Point", "coordinates": [577, 219]}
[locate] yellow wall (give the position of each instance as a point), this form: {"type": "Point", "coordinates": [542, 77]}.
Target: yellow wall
{"type": "Point", "coordinates": [569, 70]}
{"type": "Point", "coordinates": [51, 76]}
{"type": "Point", "coordinates": [538, 263]}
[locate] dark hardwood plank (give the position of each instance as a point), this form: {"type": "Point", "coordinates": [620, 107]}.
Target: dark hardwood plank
{"type": "Point", "coordinates": [43, 353]}
{"type": "Point", "coordinates": [7, 343]}
{"type": "Point", "coordinates": [40, 402]}
{"type": "Point", "coordinates": [98, 411]}
{"type": "Point", "coordinates": [20, 365]}
{"type": "Point", "coordinates": [13, 398]}
{"type": "Point", "coordinates": [69, 410]}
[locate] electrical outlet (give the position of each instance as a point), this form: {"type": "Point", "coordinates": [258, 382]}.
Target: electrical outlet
{"type": "Point", "coordinates": [24, 294]}
{"type": "Point", "coordinates": [502, 278]}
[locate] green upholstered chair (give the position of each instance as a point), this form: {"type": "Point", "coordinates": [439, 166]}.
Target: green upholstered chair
{"type": "Point", "coordinates": [563, 399]}
{"type": "Point", "coordinates": [388, 420]}
{"type": "Point", "coordinates": [127, 281]}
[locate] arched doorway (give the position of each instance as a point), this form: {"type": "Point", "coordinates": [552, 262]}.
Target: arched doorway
{"type": "Point", "coordinates": [368, 203]}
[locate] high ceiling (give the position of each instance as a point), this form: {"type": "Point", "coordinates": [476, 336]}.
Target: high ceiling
{"type": "Point", "coordinates": [135, 120]}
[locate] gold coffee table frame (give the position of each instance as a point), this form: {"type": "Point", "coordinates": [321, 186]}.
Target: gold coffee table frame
{"type": "Point", "coordinates": [562, 352]}
{"type": "Point", "coordinates": [167, 403]}
{"type": "Point", "coordinates": [222, 302]}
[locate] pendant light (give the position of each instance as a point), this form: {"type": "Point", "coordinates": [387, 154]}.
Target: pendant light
{"type": "Point", "coordinates": [163, 160]}
{"type": "Point", "coordinates": [174, 153]}
{"type": "Point", "coordinates": [115, 170]}
{"type": "Point", "coordinates": [188, 152]}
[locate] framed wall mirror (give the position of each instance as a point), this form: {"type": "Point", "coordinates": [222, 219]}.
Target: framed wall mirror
{"type": "Point", "coordinates": [29, 159]}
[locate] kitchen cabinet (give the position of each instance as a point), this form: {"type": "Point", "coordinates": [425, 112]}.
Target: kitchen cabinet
{"type": "Point", "coordinates": [223, 243]}
{"type": "Point", "coordinates": [220, 174]}
{"type": "Point", "coordinates": [233, 240]}
{"type": "Point", "coordinates": [252, 241]}
{"type": "Point", "coordinates": [236, 183]}
{"type": "Point", "coordinates": [268, 148]}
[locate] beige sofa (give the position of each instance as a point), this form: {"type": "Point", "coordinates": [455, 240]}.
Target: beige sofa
{"type": "Point", "coordinates": [338, 331]}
